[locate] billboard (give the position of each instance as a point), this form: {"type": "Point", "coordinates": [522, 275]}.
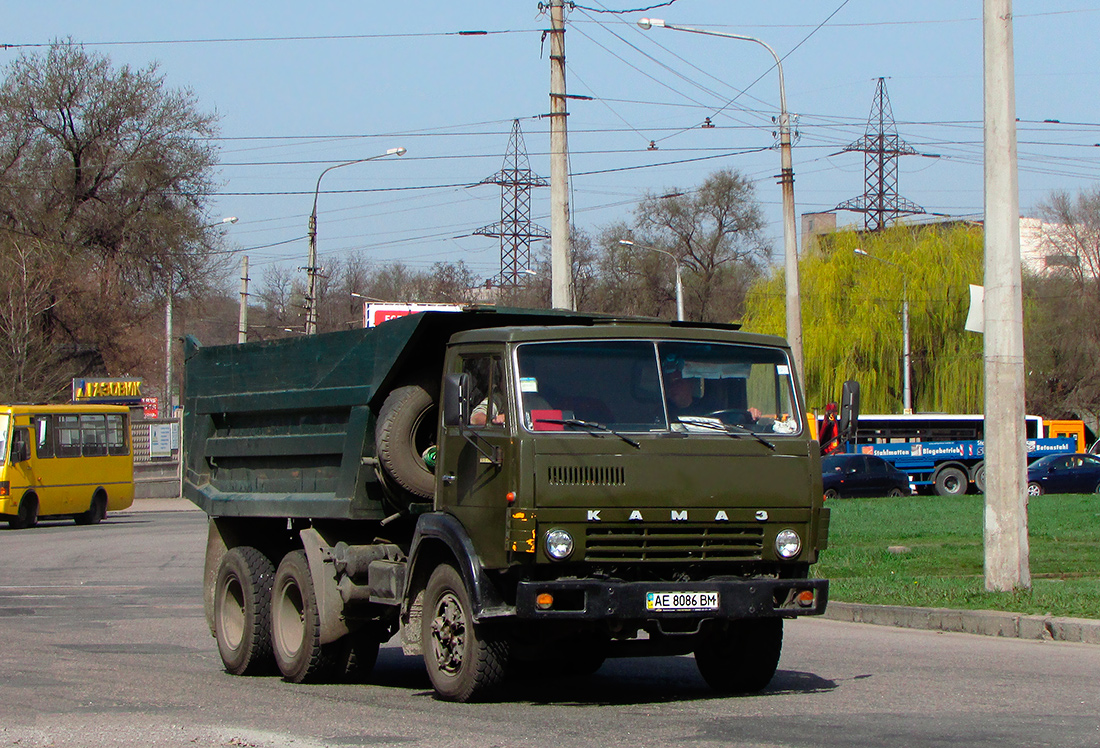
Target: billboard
{"type": "Point", "coordinates": [107, 391]}
{"type": "Point", "coordinates": [376, 314]}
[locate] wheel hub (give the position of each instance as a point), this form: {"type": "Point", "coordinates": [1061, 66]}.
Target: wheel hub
{"type": "Point", "coordinates": [448, 634]}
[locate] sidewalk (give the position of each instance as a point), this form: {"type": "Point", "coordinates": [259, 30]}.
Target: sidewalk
{"type": "Point", "coordinates": [161, 505]}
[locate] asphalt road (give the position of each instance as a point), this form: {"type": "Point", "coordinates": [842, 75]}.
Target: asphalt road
{"type": "Point", "coordinates": [104, 644]}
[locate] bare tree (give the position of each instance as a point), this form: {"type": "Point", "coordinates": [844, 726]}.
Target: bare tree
{"type": "Point", "coordinates": [716, 233]}
{"type": "Point", "coordinates": [1063, 338]}
{"type": "Point", "coordinates": [111, 169]}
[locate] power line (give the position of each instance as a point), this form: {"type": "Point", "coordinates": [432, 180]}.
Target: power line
{"type": "Point", "coordinates": [237, 40]}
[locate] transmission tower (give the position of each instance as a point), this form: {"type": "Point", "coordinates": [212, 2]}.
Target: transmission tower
{"type": "Point", "coordinates": [880, 146]}
{"type": "Point", "coordinates": [515, 229]}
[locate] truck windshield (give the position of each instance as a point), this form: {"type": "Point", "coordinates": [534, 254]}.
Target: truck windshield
{"type": "Point", "coordinates": [691, 387]}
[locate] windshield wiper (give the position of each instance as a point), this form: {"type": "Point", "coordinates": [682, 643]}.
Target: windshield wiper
{"type": "Point", "coordinates": [591, 427]}
{"type": "Point", "coordinates": [727, 428]}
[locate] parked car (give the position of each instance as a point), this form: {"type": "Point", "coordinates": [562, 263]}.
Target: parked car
{"type": "Point", "coordinates": [1075, 473]}
{"type": "Point", "coordinates": [862, 475]}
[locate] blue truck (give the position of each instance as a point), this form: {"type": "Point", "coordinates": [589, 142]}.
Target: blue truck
{"type": "Point", "coordinates": [942, 453]}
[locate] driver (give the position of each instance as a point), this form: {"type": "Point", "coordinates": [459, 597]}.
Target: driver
{"type": "Point", "coordinates": [680, 394]}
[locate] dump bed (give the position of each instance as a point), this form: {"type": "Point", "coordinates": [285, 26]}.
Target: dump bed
{"type": "Point", "coordinates": [285, 428]}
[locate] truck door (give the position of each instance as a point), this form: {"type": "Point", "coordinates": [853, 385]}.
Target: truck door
{"type": "Point", "coordinates": [476, 463]}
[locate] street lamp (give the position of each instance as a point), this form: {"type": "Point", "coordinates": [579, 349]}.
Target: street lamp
{"type": "Point", "coordinates": [311, 270]}
{"type": "Point", "coordinates": [679, 280]}
{"type": "Point", "coordinates": [786, 180]}
{"type": "Point", "coordinates": [907, 390]}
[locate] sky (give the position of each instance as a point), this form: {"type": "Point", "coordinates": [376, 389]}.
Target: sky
{"type": "Point", "coordinates": [299, 87]}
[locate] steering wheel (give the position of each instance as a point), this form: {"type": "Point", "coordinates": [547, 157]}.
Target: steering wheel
{"type": "Point", "coordinates": [733, 416]}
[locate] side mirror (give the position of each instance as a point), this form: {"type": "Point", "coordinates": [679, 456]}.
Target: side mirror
{"type": "Point", "coordinates": [456, 400]}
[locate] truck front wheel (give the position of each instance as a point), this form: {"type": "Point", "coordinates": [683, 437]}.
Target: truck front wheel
{"type": "Point", "coordinates": [296, 623]}
{"type": "Point", "coordinates": [463, 661]}
{"type": "Point", "coordinates": [242, 611]}
{"type": "Point", "coordinates": [742, 656]}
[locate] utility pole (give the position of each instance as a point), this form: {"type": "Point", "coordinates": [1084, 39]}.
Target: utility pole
{"type": "Point", "coordinates": [561, 252]}
{"type": "Point", "coordinates": [168, 353]}
{"type": "Point", "coordinates": [1006, 542]}
{"type": "Point", "coordinates": [242, 324]}
{"type": "Point", "coordinates": [311, 270]}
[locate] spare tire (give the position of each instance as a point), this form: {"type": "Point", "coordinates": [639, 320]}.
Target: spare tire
{"type": "Point", "coordinates": [405, 431]}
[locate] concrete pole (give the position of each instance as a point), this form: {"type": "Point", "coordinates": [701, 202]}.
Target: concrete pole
{"type": "Point", "coordinates": [242, 323]}
{"type": "Point", "coordinates": [311, 269]}
{"type": "Point", "coordinates": [561, 252]}
{"type": "Point", "coordinates": [790, 238]}
{"type": "Point", "coordinates": [1006, 541]}
{"type": "Point", "coordinates": [168, 354]}
{"type": "Point", "coordinates": [679, 292]}
{"type": "Point", "coordinates": [906, 356]}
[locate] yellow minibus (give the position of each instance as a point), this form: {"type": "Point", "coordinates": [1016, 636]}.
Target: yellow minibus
{"type": "Point", "coordinates": [64, 461]}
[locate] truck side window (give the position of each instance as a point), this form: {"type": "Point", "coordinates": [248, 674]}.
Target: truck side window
{"type": "Point", "coordinates": [486, 390]}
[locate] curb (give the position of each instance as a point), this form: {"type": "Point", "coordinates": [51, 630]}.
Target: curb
{"type": "Point", "coordinates": [982, 622]}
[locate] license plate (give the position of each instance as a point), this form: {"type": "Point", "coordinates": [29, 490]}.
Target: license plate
{"type": "Point", "coordinates": [658, 601]}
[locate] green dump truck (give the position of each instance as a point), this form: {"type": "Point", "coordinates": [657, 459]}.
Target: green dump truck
{"type": "Point", "coordinates": [504, 489]}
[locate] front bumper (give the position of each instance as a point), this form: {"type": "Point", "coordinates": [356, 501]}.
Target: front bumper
{"type": "Point", "coordinates": [590, 599]}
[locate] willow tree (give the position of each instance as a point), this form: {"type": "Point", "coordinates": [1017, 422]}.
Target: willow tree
{"type": "Point", "coordinates": [852, 317]}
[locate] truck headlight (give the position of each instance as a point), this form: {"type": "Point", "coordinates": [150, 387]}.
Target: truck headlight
{"type": "Point", "coordinates": [559, 544]}
{"type": "Point", "coordinates": [788, 544]}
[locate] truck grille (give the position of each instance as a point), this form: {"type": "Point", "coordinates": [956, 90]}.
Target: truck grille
{"type": "Point", "coordinates": [565, 475]}
{"type": "Point", "coordinates": [674, 543]}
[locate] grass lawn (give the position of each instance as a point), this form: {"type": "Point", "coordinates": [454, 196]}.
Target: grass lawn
{"type": "Point", "coordinates": [943, 566]}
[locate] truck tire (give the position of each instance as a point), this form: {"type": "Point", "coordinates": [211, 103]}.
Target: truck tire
{"type": "Point", "coordinates": [242, 611]}
{"type": "Point", "coordinates": [951, 481]}
{"type": "Point", "coordinates": [27, 514]}
{"type": "Point", "coordinates": [356, 656]}
{"type": "Point", "coordinates": [296, 624]}
{"type": "Point", "coordinates": [979, 477]}
{"type": "Point", "coordinates": [463, 661]}
{"type": "Point", "coordinates": [405, 431]}
{"type": "Point", "coordinates": [742, 657]}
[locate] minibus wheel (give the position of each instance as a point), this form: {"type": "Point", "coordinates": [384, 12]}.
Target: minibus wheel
{"type": "Point", "coordinates": [96, 512]}
{"type": "Point", "coordinates": [28, 513]}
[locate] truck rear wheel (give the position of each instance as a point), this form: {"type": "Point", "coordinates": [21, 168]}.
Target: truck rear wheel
{"type": "Point", "coordinates": [242, 611]}
{"type": "Point", "coordinates": [979, 477]}
{"type": "Point", "coordinates": [951, 481]}
{"type": "Point", "coordinates": [357, 655]}
{"type": "Point", "coordinates": [463, 661]}
{"type": "Point", "coordinates": [296, 623]}
{"type": "Point", "coordinates": [405, 431]}
{"type": "Point", "coordinates": [742, 656]}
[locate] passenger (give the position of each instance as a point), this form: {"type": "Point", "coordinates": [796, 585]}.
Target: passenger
{"type": "Point", "coordinates": [479, 416]}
